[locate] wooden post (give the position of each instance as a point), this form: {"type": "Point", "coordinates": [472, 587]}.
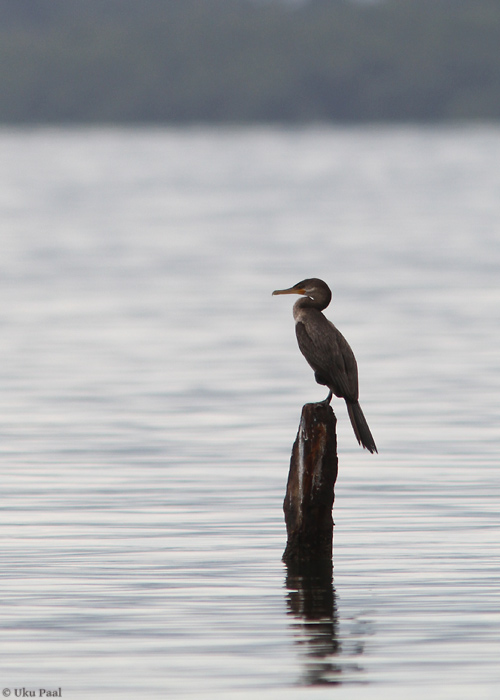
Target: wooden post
{"type": "Point", "coordinates": [310, 489]}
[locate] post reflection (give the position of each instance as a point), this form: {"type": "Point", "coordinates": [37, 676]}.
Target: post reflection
{"type": "Point", "coordinates": [312, 602]}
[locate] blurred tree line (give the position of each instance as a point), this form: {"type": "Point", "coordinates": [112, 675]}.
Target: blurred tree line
{"type": "Point", "coordinates": [248, 60]}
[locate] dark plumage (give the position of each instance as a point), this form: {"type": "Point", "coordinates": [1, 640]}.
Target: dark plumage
{"type": "Point", "coordinates": [328, 352]}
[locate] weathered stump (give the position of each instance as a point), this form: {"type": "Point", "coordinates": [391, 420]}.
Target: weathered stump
{"type": "Point", "coordinates": [310, 490]}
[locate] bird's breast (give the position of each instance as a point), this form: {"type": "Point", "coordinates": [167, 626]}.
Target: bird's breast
{"type": "Point", "coordinates": [299, 314]}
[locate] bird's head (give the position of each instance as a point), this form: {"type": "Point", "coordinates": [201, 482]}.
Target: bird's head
{"type": "Point", "coordinates": [313, 288]}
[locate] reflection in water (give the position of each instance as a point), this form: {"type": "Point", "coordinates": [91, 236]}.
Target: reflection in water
{"type": "Point", "coordinates": [311, 600]}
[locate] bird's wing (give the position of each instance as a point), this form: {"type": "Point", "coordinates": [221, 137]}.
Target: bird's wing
{"type": "Point", "coordinates": [329, 354]}
{"type": "Point", "coordinates": [350, 366]}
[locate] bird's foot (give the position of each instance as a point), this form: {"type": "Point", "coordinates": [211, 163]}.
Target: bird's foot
{"type": "Point", "coordinates": [328, 399]}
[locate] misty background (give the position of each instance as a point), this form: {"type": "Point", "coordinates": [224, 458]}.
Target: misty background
{"type": "Point", "coordinates": [243, 61]}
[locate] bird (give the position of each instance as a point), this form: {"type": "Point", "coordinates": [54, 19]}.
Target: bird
{"type": "Point", "coordinates": [328, 352]}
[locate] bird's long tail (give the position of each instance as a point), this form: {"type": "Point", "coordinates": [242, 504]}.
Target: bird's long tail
{"type": "Point", "coordinates": [360, 426]}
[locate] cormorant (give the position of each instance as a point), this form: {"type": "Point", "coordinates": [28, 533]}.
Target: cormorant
{"type": "Point", "coordinates": [328, 352]}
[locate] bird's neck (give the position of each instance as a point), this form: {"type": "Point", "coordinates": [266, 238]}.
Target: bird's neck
{"type": "Point", "coordinates": [319, 302]}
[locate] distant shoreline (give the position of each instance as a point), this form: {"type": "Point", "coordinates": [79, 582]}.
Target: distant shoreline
{"type": "Point", "coordinates": [240, 62]}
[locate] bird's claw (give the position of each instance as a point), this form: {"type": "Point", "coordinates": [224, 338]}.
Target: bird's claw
{"type": "Point", "coordinates": [328, 399]}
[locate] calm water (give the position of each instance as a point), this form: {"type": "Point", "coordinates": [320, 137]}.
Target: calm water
{"type": "Point", "coordinates": [151, 390]}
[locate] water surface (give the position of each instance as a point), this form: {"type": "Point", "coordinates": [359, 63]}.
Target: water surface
{"type": "Point", "coordinates": [152, 387]}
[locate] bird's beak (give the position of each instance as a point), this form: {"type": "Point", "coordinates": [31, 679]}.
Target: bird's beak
{"type": "Point", "coordinates": [292, 290]}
